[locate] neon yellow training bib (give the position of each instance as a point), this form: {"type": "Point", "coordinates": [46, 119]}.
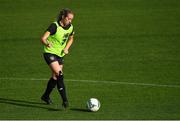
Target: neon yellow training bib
{"type": "Point", "coordinates": [58, 40]}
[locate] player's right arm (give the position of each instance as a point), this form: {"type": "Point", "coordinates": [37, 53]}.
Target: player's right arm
{"type": "Point", "coordinates": [44, 39]}
{"type": "Point", "coordinates": [50, 31]}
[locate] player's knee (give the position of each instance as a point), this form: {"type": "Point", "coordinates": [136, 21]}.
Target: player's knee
{"type": "Point", "coordinates": [57, 73]}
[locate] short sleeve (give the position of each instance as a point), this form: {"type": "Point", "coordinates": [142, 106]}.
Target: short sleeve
{"type": "Point", "coordinates": [52, 28]}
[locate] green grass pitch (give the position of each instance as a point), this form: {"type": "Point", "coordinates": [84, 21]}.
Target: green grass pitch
{"type": "Point", "coordinates": [126, 53]}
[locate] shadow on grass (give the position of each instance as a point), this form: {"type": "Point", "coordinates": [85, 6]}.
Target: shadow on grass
{"type": "Point", "coordinates": [24, 103]}
{"type": "Point", "coordinates": [79, 109]}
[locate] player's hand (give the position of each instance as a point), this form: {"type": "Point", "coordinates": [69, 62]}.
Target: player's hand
{"type": "Point", "coordinates": [66, 51]}
{"type": "Point", "coordinates": [49, 45]}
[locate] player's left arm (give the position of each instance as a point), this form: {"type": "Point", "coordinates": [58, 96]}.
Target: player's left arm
{"type": "Point", "coordinates": [69, 43]}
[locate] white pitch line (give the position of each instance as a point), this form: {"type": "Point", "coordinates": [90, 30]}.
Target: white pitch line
{"type": "Point", "coordinates": [99, 81]}
{"type": "Point", "coordinates": [128, 83]}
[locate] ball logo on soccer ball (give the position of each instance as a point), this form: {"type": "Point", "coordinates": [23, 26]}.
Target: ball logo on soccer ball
{"type": "Point", "coordinates": [93, 104]}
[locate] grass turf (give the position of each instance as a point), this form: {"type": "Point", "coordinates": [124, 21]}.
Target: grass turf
{"type": "Point", "coordinates": [133, 41]}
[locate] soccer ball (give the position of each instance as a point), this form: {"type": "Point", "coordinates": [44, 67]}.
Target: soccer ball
{"type": "Point", "coordinates": [93, 104]}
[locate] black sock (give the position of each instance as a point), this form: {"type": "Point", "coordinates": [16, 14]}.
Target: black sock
{"type": "Point", "coordinates": [61, 87]}
{"type": "Point", "coordinates": [51, 84]}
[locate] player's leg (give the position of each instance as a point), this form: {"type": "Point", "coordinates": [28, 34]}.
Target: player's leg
{"type": "Point", "coordinates": [57, 69]}
{"type": "Point", "coordinates": [50, 85]}
{"type": "Point", "coordinates": [61, 88]}
{"type": "Point", "coordinates": [49, 58]}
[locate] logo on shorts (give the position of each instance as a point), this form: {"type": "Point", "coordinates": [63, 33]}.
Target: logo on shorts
{"type": "Point", "coordinates": [52, 58]}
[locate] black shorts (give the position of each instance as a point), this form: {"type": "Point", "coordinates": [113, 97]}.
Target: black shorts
{"type": "Point", "coordinates": [49, 58]}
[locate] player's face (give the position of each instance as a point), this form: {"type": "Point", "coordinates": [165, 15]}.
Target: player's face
{"type": "Point", "coordinates": [68, 19]}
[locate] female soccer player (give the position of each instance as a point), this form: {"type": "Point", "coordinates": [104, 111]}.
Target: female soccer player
{"type": "Point", "coordinates": [56, 41]}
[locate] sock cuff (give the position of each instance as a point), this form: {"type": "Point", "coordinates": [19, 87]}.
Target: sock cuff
{"type": "Point", "coordinates": [52, 79]}
{"type": "Point", "coordinates": [60, 77]}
